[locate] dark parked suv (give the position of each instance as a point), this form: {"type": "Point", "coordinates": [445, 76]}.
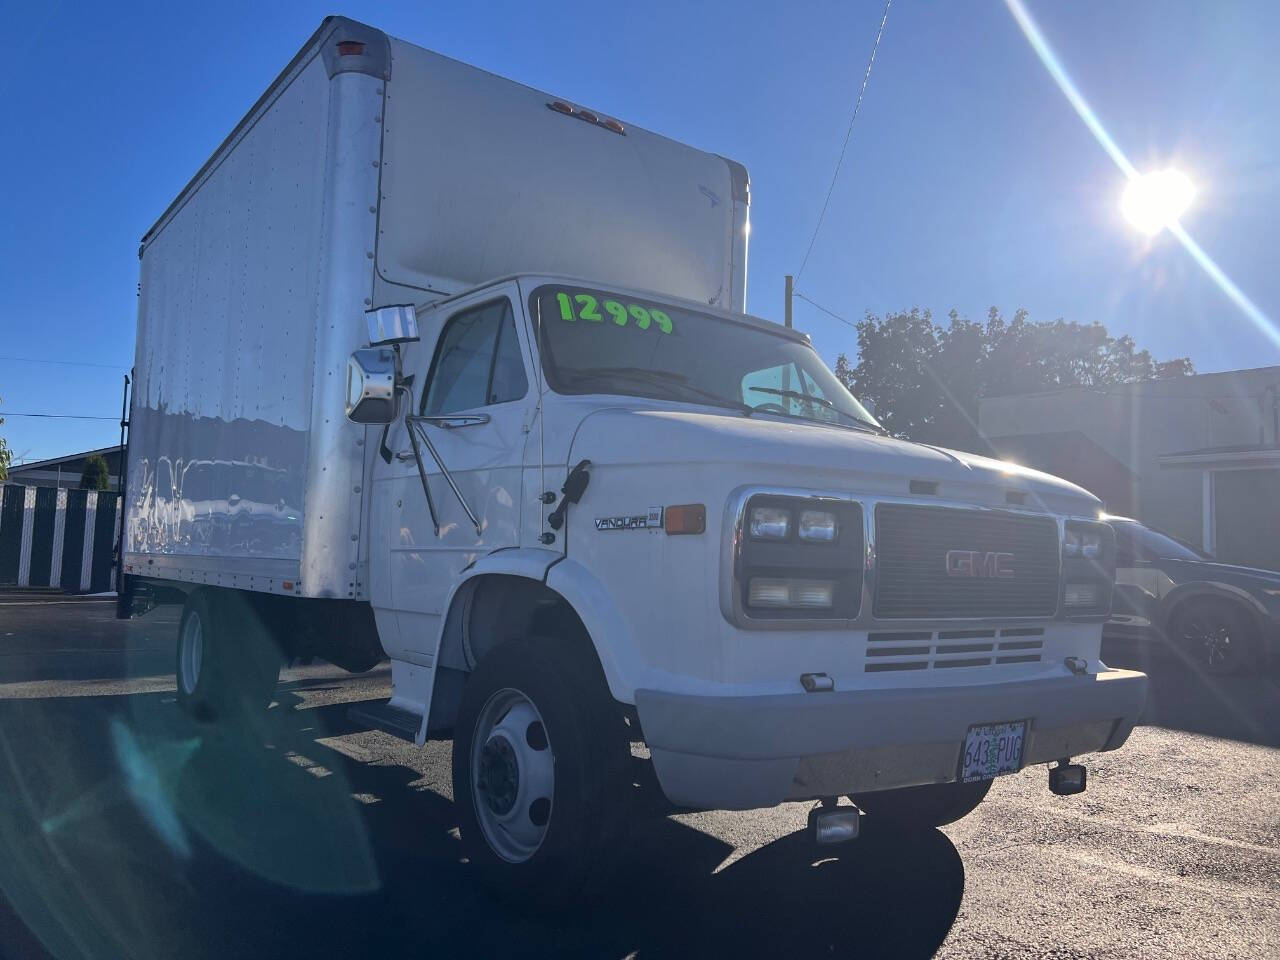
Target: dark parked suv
{"type": "Point", "coordinates": [1223, 618]}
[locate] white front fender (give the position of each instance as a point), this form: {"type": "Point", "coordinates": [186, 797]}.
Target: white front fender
{"type": "Point", "coordinates": [610, 633]}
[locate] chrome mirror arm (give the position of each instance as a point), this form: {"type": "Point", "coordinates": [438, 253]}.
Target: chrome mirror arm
{"type": "Point", "coordinates": [415, 425]}
{"type": "Point", "coordinates": [422, 474]}
{"type": "Point", "coordinates": [406, 387]}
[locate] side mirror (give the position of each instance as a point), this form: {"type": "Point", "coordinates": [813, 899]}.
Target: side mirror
{"type": "Point", "coordinates": [371, 386]}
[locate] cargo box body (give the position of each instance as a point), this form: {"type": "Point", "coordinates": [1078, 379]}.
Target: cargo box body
{"type": "Point", "coordinates": [371, 172]}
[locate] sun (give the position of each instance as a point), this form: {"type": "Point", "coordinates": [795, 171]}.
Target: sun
{"type": "Point", "coordinates": [1153, 201]}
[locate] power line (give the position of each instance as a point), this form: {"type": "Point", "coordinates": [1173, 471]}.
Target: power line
{"type": "Point", "coordinates": [56, 416]}
{"type": "Point", "coordinates": [67, 363]}
{"type": "Point", "coordinates": [848, 133]}
{"type": "Point", "coordinates": [829, 313]}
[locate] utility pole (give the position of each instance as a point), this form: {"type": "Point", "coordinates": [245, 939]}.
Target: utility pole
{"type": "Point", "coordinates": [791, 289]}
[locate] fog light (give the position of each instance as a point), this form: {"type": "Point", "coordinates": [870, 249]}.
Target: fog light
{"type": "Point", "coordinates": [770, 523]}
{"type": "Point", "coordinates": [1067, 779]}
{"type": "Point", "coordinates": [817, 525]}
{"type": "Point", "coordinates": [834, 824]}
{"type": "Point", "coordinates": [1081, 595]}
{"type": "Point", "coordinates": [803, 594]}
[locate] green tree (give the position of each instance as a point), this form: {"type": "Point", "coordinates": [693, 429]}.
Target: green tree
{"type": "Point", "coordinates": [96, 476]}
{"type": "Point", "coordinates": [6, 456]}
{"type": "Point", "coordinates": [927, 378]}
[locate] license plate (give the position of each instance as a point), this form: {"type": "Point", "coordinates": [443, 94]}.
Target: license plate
{"type": "Point", "coordinates": [991, 749]}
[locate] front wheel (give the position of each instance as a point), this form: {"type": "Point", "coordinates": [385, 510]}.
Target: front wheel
{"type": "Point", "coordinates": [1216, 635]}
{"type": "Point", "coordinates": [539, 763]}
{"type": "Point", "coordinates": [919, 808]}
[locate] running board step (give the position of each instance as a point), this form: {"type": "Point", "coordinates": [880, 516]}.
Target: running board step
{"type": "Point", "coordinates": [380, 715]}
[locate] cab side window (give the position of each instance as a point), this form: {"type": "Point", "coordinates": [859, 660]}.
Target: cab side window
{"type": "Point", "coordinates": [477, 361]}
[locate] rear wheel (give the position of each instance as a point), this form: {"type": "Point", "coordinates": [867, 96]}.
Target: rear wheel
{"type": "Point", "coordinates": [1216, 635]}
{"type": "Point", "coordinates": [919, 808]}
{"type": "Point", "coordinates": [539, 764]}
{"type": "Point", "coordinates": [226, 658]}
{"type": "Point", "coordinates": [193, 675]}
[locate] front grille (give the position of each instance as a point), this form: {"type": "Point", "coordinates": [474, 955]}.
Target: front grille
{"type": "Point", "coordinates": [912, 578]}
{"type": "Point", "coordinates": [893, 651]}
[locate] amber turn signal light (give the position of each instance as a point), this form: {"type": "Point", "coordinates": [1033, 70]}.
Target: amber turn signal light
{"type": "Point", "coordinates": [685, 518]}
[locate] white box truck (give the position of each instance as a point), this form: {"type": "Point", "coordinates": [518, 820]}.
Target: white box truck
{"type": "Point", "coordinates": [436, 367]}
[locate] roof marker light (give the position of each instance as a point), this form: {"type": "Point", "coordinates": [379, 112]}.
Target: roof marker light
{"type": "Point", "coordinates": [590, 116]}
{"type": "Point", "coordinates": [350, 48]}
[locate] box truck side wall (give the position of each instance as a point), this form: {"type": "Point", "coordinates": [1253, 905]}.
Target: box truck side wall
{"type": "Point", "coordinates": [243, 470]}
{"type": "Point", "coordinates": [371, 172]}
{"type": "Point", "coordinates": [482, 178]}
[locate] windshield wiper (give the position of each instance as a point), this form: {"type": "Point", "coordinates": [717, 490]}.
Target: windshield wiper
{"type": "Point", "coordinates": [663, 378]}
{"type": "Point", "coordinates": [808, 397]}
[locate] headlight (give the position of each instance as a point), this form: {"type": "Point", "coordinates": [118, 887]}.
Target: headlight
{"type": "Point", "coordinates": [770, 523]}
{"type": "Point", "coordinates": [797, 594]}
{"type": "Point", "coordinates": [797, 558]}
{"type": "Point", "coordinates": [1088, 568]}
{"type": "Point", "coordinates": [817, 525]}
{"type": "Point", "coordinates": [1082, 542]}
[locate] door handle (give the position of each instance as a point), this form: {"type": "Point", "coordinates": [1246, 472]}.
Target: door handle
{"type": "Point", "coordinates": [454, 421]}
{"type": "Point", "coordinates": [404, 456]}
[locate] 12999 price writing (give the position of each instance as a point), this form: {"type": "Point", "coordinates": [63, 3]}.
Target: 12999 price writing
{"type": "Point", "coordinates": [588, 308]}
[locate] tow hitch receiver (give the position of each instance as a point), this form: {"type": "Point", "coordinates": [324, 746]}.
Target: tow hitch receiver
{"type": "Point", "coordinates": [1067, 778]}
{"type": "Point", "coordinates": [829, 824]}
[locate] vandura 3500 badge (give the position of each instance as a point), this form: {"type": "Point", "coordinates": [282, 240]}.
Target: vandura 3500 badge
{"type": "Point", "coordinates": [639, 521]}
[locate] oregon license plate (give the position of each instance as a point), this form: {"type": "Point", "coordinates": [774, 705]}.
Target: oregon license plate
{"type": "Point", "coordinates": [991, 749]}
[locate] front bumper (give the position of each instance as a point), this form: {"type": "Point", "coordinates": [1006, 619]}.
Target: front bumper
{"type": "Point", "coordinates": [756, 751]}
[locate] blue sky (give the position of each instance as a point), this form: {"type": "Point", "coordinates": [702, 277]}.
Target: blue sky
{"type": "Point", "coordinates": [969, 181]}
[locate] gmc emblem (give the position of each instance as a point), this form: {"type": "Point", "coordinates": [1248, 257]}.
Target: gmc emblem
{"type": "Point", "coordinates": [974, 563]}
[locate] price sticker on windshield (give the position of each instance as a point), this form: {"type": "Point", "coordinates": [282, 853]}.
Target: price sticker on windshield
{"type": "Point", "coordinates": [590, 309]}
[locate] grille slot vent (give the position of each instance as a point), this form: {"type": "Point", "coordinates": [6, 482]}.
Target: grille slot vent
{"type": "Point", "coordinates": [891, 651]}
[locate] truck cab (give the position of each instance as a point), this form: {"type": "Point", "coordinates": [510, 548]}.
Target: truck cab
{"type": "Point", "coordinates": [783, 601]}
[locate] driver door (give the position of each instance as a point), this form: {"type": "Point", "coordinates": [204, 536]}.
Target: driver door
{"type": "Point", "coordinates": [475, 385]}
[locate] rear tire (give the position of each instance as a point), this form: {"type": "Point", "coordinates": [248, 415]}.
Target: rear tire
{"type": "Point", "coordinates": [1217, 636]}
{"type": "Point", "coordinates": [227, 662]}
{"type": "Point", "coordinates": [921, 808]}
{"type": "Point", "coordinates": [540, 758]}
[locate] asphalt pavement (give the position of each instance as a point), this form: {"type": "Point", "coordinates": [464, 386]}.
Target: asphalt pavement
{"type": "Point", "coordinates": [126, 830]}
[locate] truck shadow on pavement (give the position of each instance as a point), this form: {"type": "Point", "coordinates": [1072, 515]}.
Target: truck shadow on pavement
{"type": "Point", "coordinates": [127, 830]}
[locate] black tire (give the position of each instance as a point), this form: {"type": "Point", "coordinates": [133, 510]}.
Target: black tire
{"type": "Point", "coordinates": [584, 735]}
{"type": "Point", "coordinates": [1217, 636]}
{"type": "Point", "coordinates": [921, 808]}
{"type": "Point", "coordinates": [235, 665]}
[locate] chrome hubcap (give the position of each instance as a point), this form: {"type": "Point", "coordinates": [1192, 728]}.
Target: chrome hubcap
{"type": "Point", "coordinates": [512, 775]}
{"type": "Point", "coordinates": [190, 654]}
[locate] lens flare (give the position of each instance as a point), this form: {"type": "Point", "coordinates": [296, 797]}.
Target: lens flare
{"type": "Point", "coordinates": [1153, 201]}
{"type": "Point", "coordinates": [1031, 30]}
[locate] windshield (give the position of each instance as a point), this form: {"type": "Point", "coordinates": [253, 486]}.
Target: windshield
{"type": "Point", "coordinates": [1145, 542]}
{"type": "Point", "coordinates": [596, 341]}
